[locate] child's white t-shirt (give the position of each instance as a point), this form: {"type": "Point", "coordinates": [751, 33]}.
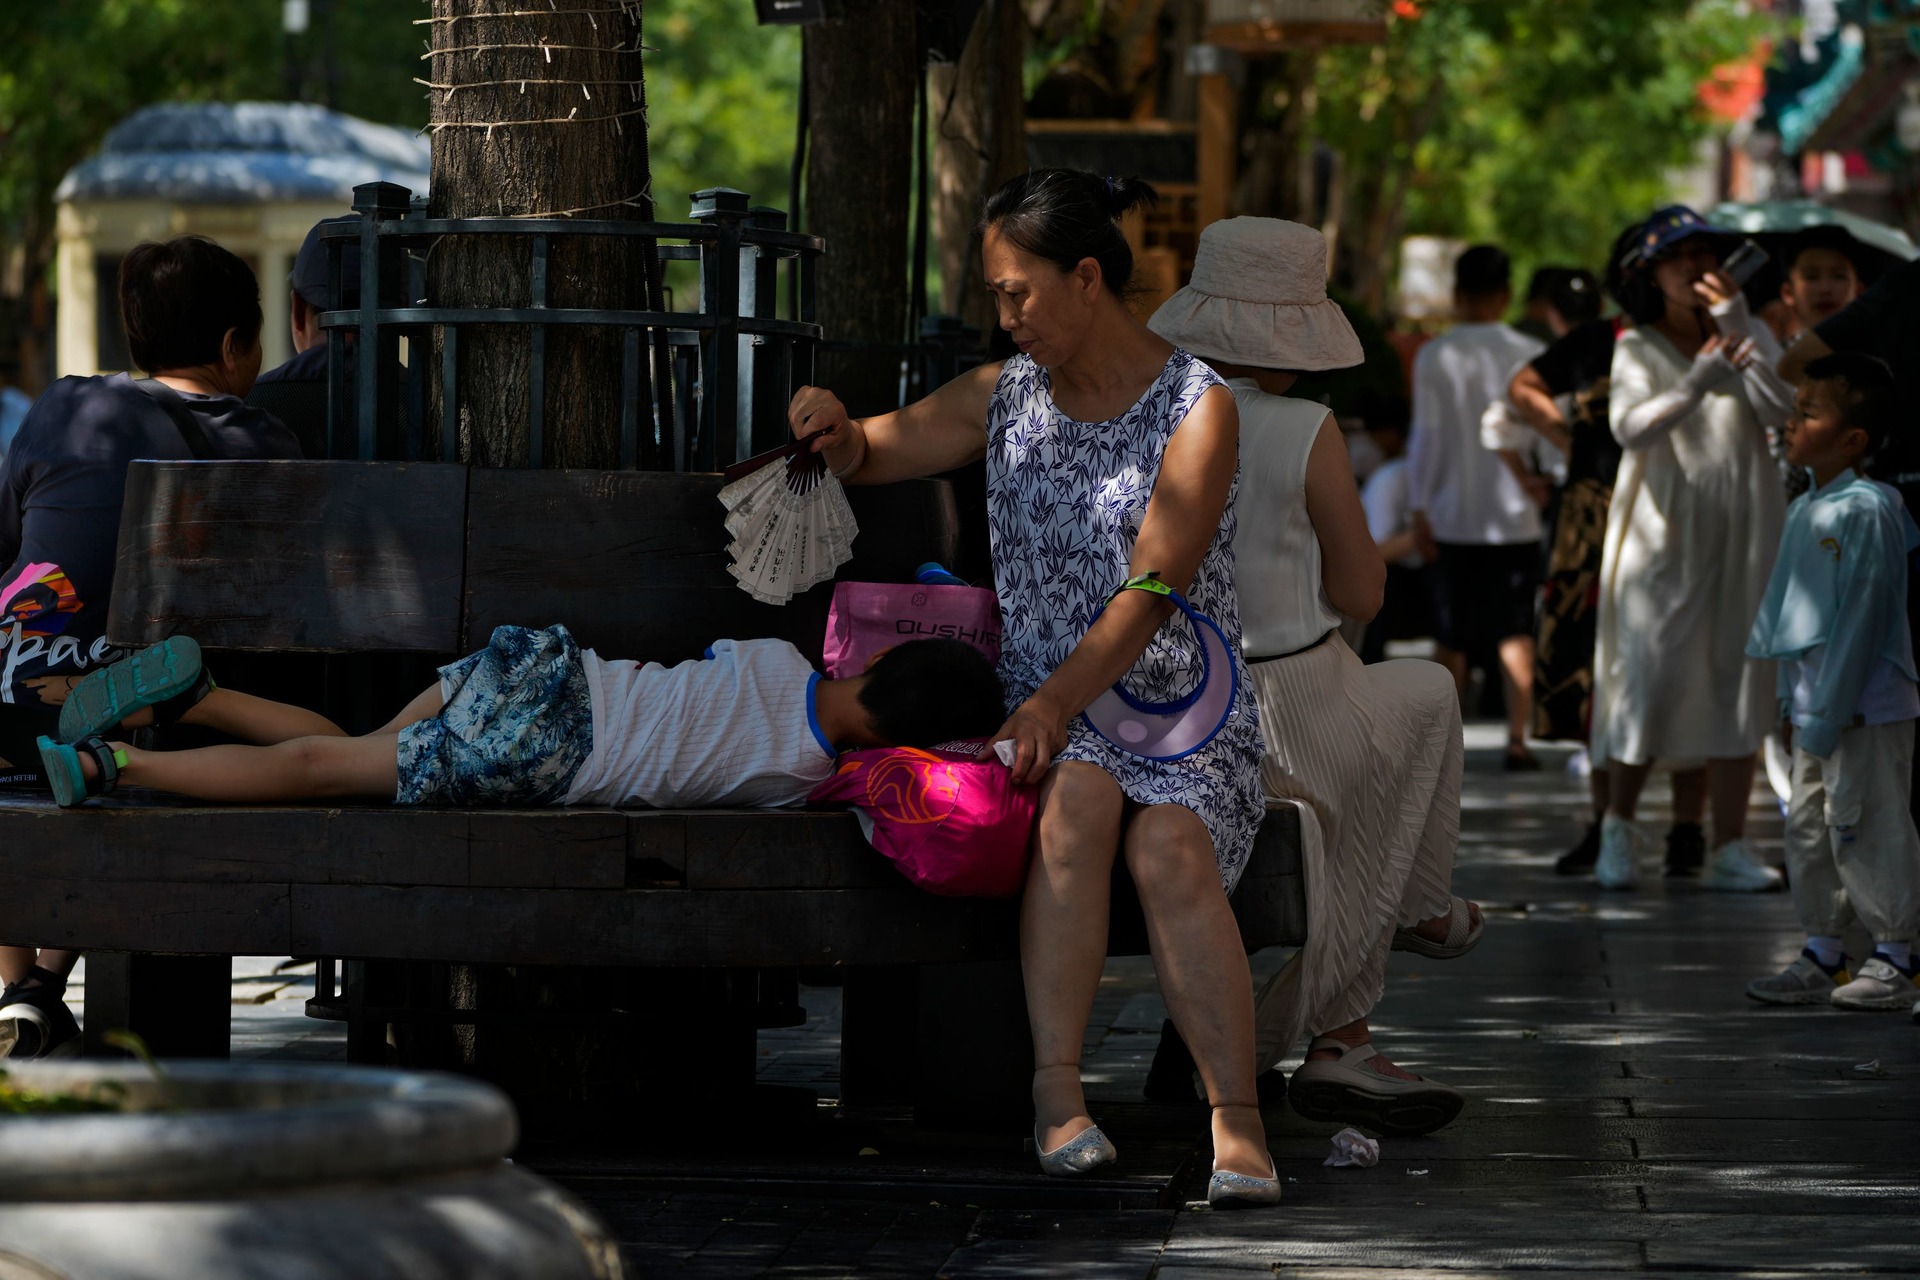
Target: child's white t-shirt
{"type": "Point", "coordinates": [735, 729]}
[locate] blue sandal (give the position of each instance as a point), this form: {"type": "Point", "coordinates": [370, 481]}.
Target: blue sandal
{"type": "Point", "coordinates": [60, 762]}
{"type": "Point", "coordinates": [167, 677]}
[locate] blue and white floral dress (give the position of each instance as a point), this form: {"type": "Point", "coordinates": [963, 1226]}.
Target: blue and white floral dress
{"type": "Point", "coordinates": [1065, 501]}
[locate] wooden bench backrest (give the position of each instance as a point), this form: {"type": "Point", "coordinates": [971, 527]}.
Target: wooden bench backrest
{"type": "Point", "coordinates": [341, 557]}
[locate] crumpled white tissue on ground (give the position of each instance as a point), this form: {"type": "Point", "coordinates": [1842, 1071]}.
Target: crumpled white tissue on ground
{"type": "Point", "coordinates": [1352, 1147]}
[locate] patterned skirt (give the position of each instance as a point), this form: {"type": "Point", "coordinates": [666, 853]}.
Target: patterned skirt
{"type": "Point", "coordinates": [516, 727]}
{"type": "Point", "coordinates": [1569, 618]}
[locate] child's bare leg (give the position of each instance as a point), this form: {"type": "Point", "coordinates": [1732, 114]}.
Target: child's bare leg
{"type": "Point", "coordinates": [259, 720]}
{"type": "Point", "coordinates": [309, 768]}
{"type": "Point", "coordinates": [425, 706]}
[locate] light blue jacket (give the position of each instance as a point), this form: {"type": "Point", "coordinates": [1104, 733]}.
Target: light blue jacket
{"type": "Point", "coordinates": [1840, 584]}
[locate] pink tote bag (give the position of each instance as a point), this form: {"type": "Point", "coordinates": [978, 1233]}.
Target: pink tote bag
{"type": "Point", "coordinates": [951, 824]}
{"type": "Point", "coordinates": [867, 617]}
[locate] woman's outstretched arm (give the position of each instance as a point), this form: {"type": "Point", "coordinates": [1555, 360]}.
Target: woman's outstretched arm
{"type": "Point", "coordinates": [942, 431]}
{"type": "Point", "coordinates": [1183, 516]}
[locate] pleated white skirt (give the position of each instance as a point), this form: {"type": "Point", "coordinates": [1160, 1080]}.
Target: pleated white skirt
{"type": "Point", "coordinates": [1372, 757]}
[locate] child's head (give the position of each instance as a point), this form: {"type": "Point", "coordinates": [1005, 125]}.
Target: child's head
{"type": "Point", "coordinates": [926, 692]}
{"type": "Point", "coordinates": [1821, 278]}
{"type": "Point", "coordinates": [1385, 415]}
{"type": "Point", "coordinates": [1843, 413]}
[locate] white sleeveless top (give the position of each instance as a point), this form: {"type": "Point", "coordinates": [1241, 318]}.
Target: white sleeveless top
{"type": "Point", "coordinates": [1276, 554]}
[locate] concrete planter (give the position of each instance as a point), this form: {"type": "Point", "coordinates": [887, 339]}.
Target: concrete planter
{"type": "Point", "coordinates": [281, 1172]}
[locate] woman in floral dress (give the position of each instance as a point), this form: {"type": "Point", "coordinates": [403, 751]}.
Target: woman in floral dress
{"type": "Point", "coordinates": [1110, 454]}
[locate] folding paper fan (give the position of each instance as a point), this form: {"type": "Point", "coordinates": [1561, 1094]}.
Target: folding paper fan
{"type": "Point", "coordinates": [791, 524]}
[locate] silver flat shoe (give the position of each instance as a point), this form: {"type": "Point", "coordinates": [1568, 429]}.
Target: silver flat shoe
{"type": "Point", "coordinates": [1081, 1154]}
{"type": "Point", "coordinates": [1240, 1191]}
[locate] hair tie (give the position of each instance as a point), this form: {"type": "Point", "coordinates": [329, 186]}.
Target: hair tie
{"type": "Point", "coordinates": [1112, 186]}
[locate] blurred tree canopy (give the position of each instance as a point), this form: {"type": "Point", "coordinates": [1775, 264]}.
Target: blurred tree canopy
{"type": "Point", "coordinates": [1543, 125]}
{"type": "Point", "coordinates": [76, 68]}
{"type": "Point", "coordinates": [721, 95]}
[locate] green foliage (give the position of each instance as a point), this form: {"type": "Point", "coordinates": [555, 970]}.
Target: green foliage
{"type": "Point", "coordinates": [722, 92]}
{"type": "Point", "coordinates": [1544, 125]}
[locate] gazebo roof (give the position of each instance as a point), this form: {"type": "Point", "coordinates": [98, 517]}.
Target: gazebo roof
{"type": "Point", "coordinates": [246, 153]}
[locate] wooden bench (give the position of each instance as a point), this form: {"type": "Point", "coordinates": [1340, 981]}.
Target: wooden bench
{"type": "Point", "coordinates": [424, 560]}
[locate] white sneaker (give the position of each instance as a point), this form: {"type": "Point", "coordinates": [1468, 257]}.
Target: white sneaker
{"type": "Point", "coordinates": [1621, 847]}
{"type": "Point", "coordinates": [1877, 984]}
{"type": "Point", "coordinates": [1735, 868]}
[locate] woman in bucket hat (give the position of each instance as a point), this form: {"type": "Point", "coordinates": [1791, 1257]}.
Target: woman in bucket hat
{"type": "Point", "coordinates": [1371, 754]}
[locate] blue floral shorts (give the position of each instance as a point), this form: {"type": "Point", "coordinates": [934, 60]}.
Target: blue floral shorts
{"type": "Point", "coordinates": [516, 727]}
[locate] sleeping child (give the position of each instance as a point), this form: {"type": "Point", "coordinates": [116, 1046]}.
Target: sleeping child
{"type": "Point", "coordinates": [532, 719]}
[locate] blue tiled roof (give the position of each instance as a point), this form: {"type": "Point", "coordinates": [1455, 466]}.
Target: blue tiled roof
{"type": "Point", "coordinates": [246, 152]}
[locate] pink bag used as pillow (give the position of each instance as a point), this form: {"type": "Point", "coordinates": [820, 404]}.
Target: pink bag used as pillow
{"type": "Point", "coordinates": [952, 825]}
{"type": "Point", "coordinates": [867, 617]}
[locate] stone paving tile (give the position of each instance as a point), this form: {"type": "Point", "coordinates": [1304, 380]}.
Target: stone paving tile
{"type": "Point", "coordinates": [1630, 1111]}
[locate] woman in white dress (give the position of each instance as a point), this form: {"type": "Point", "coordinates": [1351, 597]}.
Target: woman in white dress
{"type": "Point", "coordinates": [1691, 536]}
{"type": "Point", "coordinates": [1370, 754]}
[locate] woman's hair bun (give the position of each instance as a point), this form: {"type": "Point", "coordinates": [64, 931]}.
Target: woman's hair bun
{"type": "Point", "coordinates": [1067, 216]}
{"type": "Point", "coordinates": [1124, 194]}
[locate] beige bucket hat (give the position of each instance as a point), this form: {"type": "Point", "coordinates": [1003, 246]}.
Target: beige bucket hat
{"type": "Point", "coordinates": [1259, 297]}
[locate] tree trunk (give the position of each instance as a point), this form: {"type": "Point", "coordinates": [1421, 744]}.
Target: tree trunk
{"type": "Point", "coordinates": [979, 142]}
{"type": "Point", "coordinates": [539, 115]}
{"type": "Point", "coordinates": [861, 66]}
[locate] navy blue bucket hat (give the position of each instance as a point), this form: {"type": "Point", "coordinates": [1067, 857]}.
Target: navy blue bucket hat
{"type": "Point", "coordinates": [1667, 227]}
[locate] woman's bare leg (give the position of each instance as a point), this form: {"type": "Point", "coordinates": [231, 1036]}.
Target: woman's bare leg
{"type": "Point", "coordinates": [301, 769]}
{"type": "Point", "coordinates": [1063, 936]}
{"type": "Point", "coordinates": [1730, 784]}
{"type": "Point", "coordinates": [1202, 966]}
{"type": "Point", "coordinates": [1690, 795]}
{"type": "Point", "coordinates": [1625, 782]}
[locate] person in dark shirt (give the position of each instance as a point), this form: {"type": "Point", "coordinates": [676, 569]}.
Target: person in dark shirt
{"type": "Point", "coordinates": [192, 314]}
{"type": "Point", "coordinates": [296, 392]}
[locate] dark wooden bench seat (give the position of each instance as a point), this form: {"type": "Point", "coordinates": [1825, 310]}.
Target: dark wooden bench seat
{"type": "Point", "coordinates": [688, 888]}
{"type": "Point", "coordinates": [417, 563]}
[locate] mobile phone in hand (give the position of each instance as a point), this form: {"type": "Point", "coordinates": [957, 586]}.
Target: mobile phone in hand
{"type": "Point", "coordinates": [1744, 263]}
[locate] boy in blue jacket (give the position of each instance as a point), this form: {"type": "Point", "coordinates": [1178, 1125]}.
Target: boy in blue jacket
{"type": "Point", "coordinates": [1835, 619]}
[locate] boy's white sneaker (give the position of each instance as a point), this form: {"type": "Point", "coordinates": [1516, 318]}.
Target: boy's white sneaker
{"type": "Point", "coordinates": [1735, 868]}
{"type": "Point", "coordinates": [1877, 985]}
{"type": "Point", "coordinates": [1621, 847]}
{"type": "Point", "coordinates": [1804, 981]}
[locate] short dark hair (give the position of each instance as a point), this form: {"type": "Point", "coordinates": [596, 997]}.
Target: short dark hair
{"type": "Point", "coordinates": [1864, 391]}
{"type": "Point", "coordinates": [1067, 216]}
{"type": "Point", "coordinates": [926, 692]}
{"type": "Point", "coordinates": [1825, 236]}
{"type": "Point", "coordinates": [1575, 294]}
{"type": "Point", "coordinates": [1482, 271]}
{"type": "Point", "coordinates": [179, 297]}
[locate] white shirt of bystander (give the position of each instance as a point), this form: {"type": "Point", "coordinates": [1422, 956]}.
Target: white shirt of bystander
{"type": "Point", "coordinates": [1467, 492]}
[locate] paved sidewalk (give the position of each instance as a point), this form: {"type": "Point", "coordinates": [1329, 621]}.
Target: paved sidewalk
{"type": "Point", "coordinates": [1631, 1111]}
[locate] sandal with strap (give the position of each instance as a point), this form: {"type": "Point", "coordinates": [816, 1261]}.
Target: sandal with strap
{"type": "Point", "coordinates": [1344, 1091]}
{"type": "Point", "coordinates": [60, 762]}
{"type": "Point", "coordinates": [167, 677]}
{"type": "Point", "coordinates": [1463, 935]}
